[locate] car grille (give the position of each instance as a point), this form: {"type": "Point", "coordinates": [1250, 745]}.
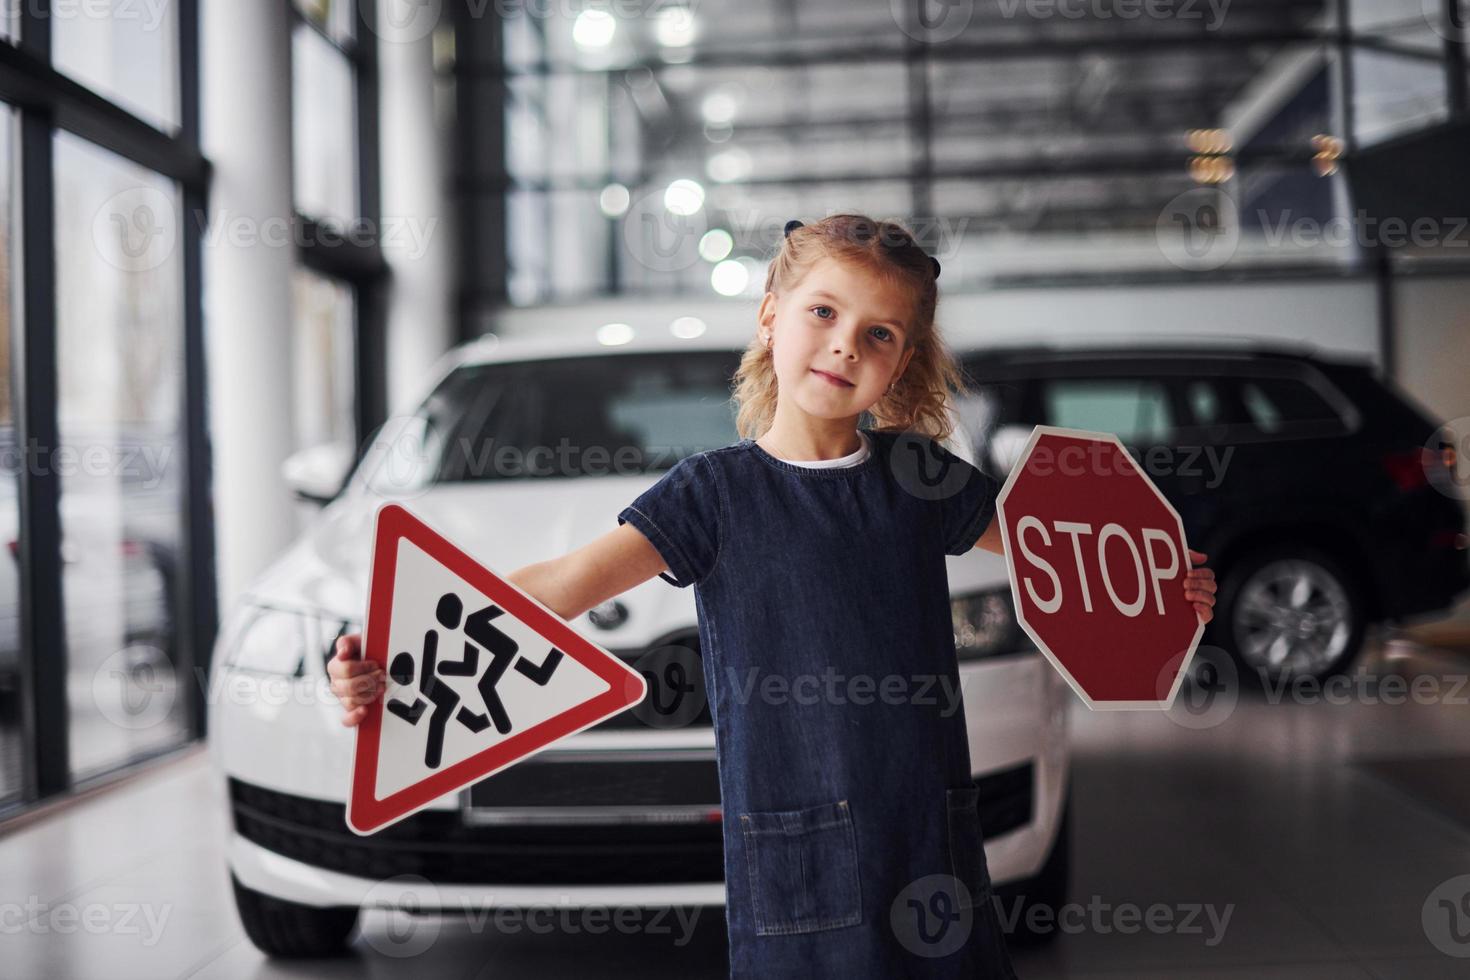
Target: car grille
{"type": "Point", "coordinates": [441, 847]}
{"type": "Point", "coordinates": [604, 783]}
{"type": "Point", "coordinates": [1006, 799]}
{"type": "Point", "coordinates": [438, 845]}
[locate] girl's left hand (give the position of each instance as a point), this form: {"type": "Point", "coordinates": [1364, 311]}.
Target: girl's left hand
{"type": "Point", "coordinates": [1199, 586]}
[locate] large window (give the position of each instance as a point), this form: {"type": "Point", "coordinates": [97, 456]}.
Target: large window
{"type": "Point", "coordinates": [107, 604]}
{"type": "Point", "coordinates": [338, 284]}
{"type": "Point", "coordinates": [12, 745]}
{"type": "Point", "coordinates": [120, 365]}
{"type": "Point", "coordinates": [124, 50]}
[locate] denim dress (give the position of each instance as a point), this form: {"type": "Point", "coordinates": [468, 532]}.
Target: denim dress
{"type": "Point", "coordinates": [852, 840]}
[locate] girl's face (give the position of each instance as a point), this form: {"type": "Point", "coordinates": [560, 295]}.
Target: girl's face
{"type": "Point", "coordinates": [840, 322]}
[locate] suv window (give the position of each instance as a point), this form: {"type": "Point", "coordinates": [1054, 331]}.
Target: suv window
{"type": "Point", "coordinates": [1259, 408]}
{"type": "Point", "coordinates": [1137, 410]}
{"type": "Point", "coordinates": [1284, 406]}
{"type": "Point", "coordinates": [580, 416]}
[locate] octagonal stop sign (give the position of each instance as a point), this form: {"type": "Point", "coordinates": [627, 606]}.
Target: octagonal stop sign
{"type": "Point", "coordinates": [1097, 559]}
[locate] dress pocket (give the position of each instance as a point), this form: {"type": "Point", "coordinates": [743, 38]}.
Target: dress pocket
{"type": "Point", "coordinates": [966, 845]}
{"type": "Point", "coordinates": [803, 867]}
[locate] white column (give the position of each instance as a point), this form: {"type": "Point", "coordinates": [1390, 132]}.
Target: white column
{"type": "Point", "coordinates": [418, 243]}
{"type": "Point", "coordinates": [248, 260]}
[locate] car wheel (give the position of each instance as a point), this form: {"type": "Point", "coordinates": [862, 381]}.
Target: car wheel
{"type": "Point", "coordinates": [291, 930]}
{"type": "Point", "coordinates": [1047, 890]}
{"type": "Point", "coordinates": [1290, 612]}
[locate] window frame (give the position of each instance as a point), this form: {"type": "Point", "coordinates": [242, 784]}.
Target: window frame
{"type": "Point", "coordinates": [46, 101]}
{"type": "Point", "coordinates": [356, 260]}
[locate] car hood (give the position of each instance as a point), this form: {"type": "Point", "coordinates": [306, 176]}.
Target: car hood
{"type": "Point", "coordinates": [501, 524]}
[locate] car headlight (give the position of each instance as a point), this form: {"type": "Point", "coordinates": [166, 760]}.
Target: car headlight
{"type": "Point", "coordinates": [985, 626]}
{"type": "Point", "coordinates": [276, 639]}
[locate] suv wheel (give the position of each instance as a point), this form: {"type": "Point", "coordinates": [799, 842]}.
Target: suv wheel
{"type": "Point", "coordinates": [291, 930]}
{"type": "Point", "coordinates": [1290, 611]}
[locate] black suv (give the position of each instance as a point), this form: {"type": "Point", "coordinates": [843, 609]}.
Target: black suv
{"type": "Point", "coordinates": [1322, 496]}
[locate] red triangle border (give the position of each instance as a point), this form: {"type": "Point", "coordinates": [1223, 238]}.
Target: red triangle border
{"type": "Point", "coordinates": [367, 814]}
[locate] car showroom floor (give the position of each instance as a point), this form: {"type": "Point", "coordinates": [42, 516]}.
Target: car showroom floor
{"type": "Point", "coordinates": [1309, 837]}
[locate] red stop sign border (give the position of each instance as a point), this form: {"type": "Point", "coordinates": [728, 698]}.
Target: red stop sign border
{"type": "Point", "coordinates": [1005, 527]}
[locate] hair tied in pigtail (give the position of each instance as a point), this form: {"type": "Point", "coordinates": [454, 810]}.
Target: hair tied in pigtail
{"type": "Point", "coordinates": [935, 263]}
{"type": "Point", "coordinates": [792, 225]}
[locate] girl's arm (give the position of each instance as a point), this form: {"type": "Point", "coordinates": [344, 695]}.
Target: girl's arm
{"type": "Point", "coordinates": [991, 539]}
{"type": "Point", "coordinates": [568, 585]}
{"type": "Point", "coordinates": [578, 580]}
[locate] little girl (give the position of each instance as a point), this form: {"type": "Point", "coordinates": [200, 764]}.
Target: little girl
{"type": "Point", "coordinates": [816, 548]}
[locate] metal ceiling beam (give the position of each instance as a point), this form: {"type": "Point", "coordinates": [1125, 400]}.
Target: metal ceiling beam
{"type": "Point", "coordinates": [775, 54]}
{"type": "Point", "coordinates": [1089, 165]}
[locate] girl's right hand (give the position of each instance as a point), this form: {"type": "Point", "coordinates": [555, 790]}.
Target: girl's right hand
{"type": "Point", "coordinates": [356, 682]}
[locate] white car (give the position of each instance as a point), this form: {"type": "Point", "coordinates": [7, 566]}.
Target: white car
{"type": "Point", "coordinates": [626, 813]}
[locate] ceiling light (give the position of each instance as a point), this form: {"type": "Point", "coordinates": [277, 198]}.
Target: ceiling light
{"type": "Point", "coordinates": [594, 29]}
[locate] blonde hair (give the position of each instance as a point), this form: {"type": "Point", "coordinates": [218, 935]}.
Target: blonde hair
{"type": "Point", "coordinates": [920, 399]}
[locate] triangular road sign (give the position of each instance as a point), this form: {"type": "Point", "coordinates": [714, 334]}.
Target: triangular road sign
{"type": "Point", "coordinates": [480, 675]}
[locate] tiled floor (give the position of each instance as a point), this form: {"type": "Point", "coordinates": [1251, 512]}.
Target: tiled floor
{"type": "Point", "coordinates": [1250, 838]}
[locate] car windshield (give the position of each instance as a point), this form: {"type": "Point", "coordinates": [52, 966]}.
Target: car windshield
{"type": "Point", "coordinates": [601, 415]}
